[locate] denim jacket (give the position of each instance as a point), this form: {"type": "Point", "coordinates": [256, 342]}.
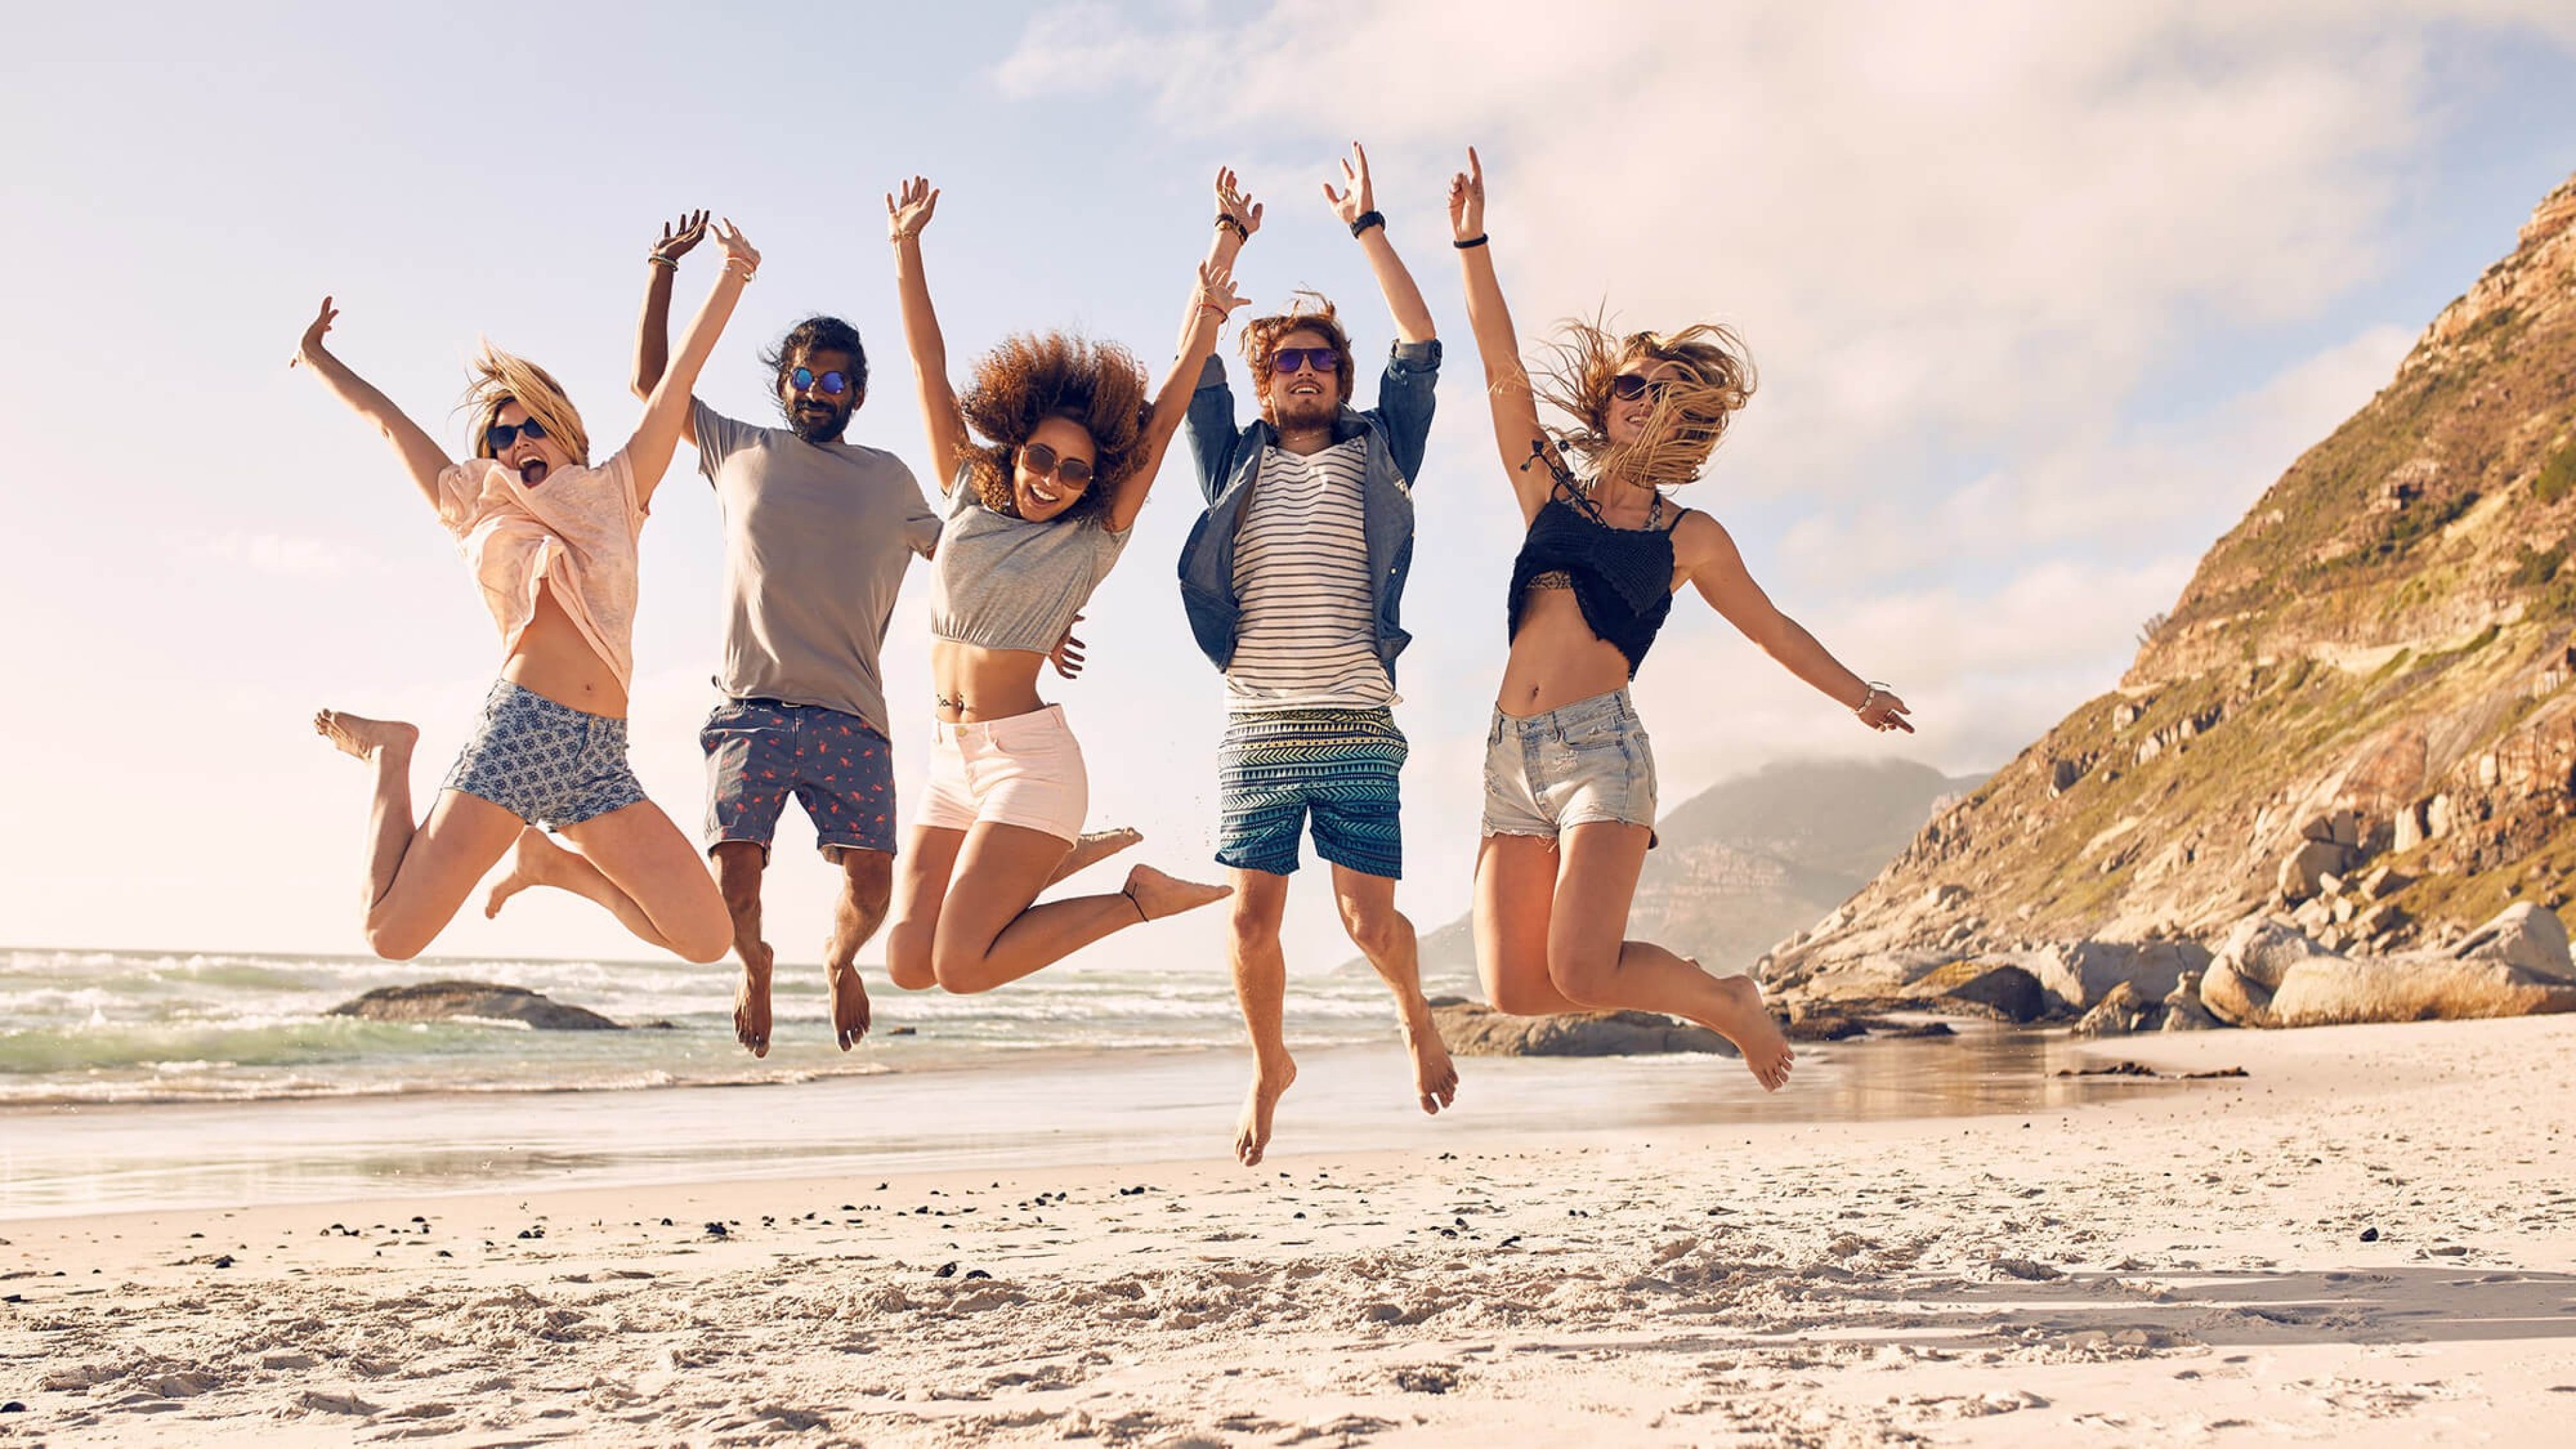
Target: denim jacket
{"type": "Point", "coordinates": [1227, 460]}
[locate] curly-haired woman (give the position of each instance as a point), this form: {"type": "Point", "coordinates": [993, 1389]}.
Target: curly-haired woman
{"type": "Point", "coordinates": [1569, 778]}
{"type": "Point", "coordinates": [1037, 514]}
{"type": "Point", "coordinates": [551, 540]}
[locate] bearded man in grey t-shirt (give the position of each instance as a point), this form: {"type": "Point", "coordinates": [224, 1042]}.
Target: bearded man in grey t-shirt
{"type": "Point", "coordinates": [818, 532]}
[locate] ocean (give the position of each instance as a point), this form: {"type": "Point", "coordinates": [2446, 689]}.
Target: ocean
{"type": "Point", "coordinates": [152, 1079]}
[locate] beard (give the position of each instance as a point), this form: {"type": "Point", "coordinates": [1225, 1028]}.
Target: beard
{"type": "Point", "coordinates": [822, 422]}
{"type": "Point", "coordinates": [1314, 410]}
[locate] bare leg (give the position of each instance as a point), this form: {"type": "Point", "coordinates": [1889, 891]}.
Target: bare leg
{"type": "Point", "coordinates": [1515, 898]}
{"type": "Point", "coordinates": [1591, 964]}
{"type": "Point", "coordinates": [988, 933]}
{"type": "Point", "coordinates": [1093, 847]}
{"type": "Point", "coordinates": [867, 887]}
{"type": "Point", "coordinates": [1384, 936]}
{"type": "Point", "coordinates": [416, 877]}
{"type": "Point", "coordinates": [1261, 985]}
{"type": "Point", "coordinates": [739, 865]}
{"type": "Point", "coordinates": [636, 864]}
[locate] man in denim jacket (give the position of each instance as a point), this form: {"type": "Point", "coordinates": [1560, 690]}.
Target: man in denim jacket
{"type": "Point", "coordinates": [1292, 579]}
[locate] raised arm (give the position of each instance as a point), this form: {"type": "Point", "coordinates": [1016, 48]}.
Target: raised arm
{"type": "Point", "coordinates": [666, 408]}
{"type": "Point", "coordinates": [421, 455]}
{"type": "Point", "coordinates": [653, 329]}
{"type": "Point", "coordinates": [1507, 385]}
{"type": "Point", "coordinates": [1209, 423]}
{"type": "Point", "coordinates": [1709, 559]}
{"type": "Point", "coordinates": [1356, 205]}
{"type": "Point", "coordinates": [1212, 300]}
{"type": "Point", "coordinates": [906, 215]}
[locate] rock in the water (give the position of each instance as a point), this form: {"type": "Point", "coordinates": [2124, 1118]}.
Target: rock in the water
{"type": "Point", "coordinates": [2415, 986]}
{"type": "Point", "coordinates": [1984, 988]}
{"type": "Point", "coordinates": [2122, 1010]}
{"type": "Point", "coordinates": [2525, 935]}
{"type": "Point", "coordinates": [2184, 1010]}
{"type": "Point", "coordinates": [1473, 1029]}
{"type": "Point", "coordinates": [451, 1000]}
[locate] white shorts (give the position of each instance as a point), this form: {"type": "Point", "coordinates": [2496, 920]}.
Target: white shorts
{"type": "Point", "coordinates": [1025, 770]}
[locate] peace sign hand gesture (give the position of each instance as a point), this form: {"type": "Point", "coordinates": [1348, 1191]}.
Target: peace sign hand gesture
{"type": "Point", "coordinates": [1467, 200]}
{"type": "Point", "coordinates": [1358, 198]}
{"type": "Point", "coordinates": [681, 237]}
{"type": "Point", "coordinates": [908, 214]}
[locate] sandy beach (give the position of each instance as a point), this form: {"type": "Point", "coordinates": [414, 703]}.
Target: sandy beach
{"type": "Point", "coordinates": [2371, 1237]}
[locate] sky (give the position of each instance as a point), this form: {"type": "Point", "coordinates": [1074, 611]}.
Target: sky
{"type": "Point", "coordinates": [2042, 298]}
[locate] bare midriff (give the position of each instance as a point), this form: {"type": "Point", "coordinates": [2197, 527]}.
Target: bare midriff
{"type": "Point", "coordinates": [1556, 659]}
{"type": "Point", "coordinates": [553, 659]}
{"type": "Point", "coordinates": [976, 683]}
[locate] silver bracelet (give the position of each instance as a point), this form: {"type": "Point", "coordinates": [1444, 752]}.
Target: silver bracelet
{"type": "Point", "coordinates": [1875, 690]}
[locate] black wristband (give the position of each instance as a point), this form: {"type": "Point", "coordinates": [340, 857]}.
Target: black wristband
{"type": "Point", "coordinates": [1472, 242]}
{"type": "Point", "coordinates": [1225, 222]}
{"type": "Point", "coordinates": [1366, 220]}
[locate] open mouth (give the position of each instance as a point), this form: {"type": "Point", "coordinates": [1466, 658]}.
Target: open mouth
{"type": "Point", "coordinates": [533, 471]}
{"type": "Point", "coordinates": [1044, 496]}
{"type": "Point", "coordinates": [1305, 389]}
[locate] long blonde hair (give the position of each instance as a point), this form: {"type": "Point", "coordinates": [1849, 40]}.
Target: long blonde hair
{"type": "Point", "coordinates": [499, 379]}
{"type": "Point", "coordinates": [1716, 378]}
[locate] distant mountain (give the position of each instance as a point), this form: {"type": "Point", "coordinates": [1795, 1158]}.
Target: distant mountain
{"type": "Point", "coordinates": [2358, 712]}
{"type": "Point", "coordinates": [1749, 860]}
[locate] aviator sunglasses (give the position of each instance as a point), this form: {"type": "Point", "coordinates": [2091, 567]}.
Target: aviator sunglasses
{"type": "Point", "coordinates": [832, 384]}
{"type": "Point", "coordinates": [1041, 460]}
{"type": "Point", "coordinates": [1628, 386]}
{"type": "Point", "coordinates": [501, 435]}
{"type": "Point", "coordinates": [1321, 359]}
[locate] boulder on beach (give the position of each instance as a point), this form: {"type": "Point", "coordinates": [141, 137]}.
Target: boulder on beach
{"type": "Point", "coordinates": [2122, 1010]}
{"type": "Point", "coordinates": [2525, 935]}
{"type": "Point", "coordinates": [1983, 988]}
{"type": "Point", "coordinates": [478, 1000]}
{"type": "Point", "coordinates": [1473, 1029]}
{"type": "Point", "coordinates": [2412, 986]}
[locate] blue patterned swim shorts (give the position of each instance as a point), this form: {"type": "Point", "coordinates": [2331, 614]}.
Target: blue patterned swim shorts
{"type": "Point", "coordinates": [547, 763]}
{"type": "Point", "coordinates": [1340, 765]}
{"type": "Point", "coordinates": [760, 751]}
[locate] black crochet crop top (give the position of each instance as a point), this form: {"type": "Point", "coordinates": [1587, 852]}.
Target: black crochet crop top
{"type": "Point", "coordinates": [1622, 578]}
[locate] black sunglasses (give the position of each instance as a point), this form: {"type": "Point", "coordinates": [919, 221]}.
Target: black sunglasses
{"type": "Point", "coordinates": [501, 435]}
{"type": "Point", "coordinates": [833, 383]}
{"type": "Point", "coordinates": [1631, 385]}
{"type": "Point", "coordinates": [1322, 359]}
{"type": "Point", "coordinates": [1041, 460]}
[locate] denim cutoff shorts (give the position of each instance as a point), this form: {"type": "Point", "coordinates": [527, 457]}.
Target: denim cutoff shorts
{"type": "Point", "coordinates": [547, 763]}
{"type": "Point", "coordinates": [1024, 770]}
{"type": "Point", "coordinates": [1588, 761]}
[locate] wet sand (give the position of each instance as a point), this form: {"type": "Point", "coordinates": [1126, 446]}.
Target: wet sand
{"type": "Point", "coordinates": [2371, 1237]}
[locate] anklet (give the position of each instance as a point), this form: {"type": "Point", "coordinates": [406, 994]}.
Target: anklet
{"type": "Point", "coordinates": [1129, 891]}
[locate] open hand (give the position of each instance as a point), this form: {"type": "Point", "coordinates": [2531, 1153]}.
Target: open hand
{"type": "Point", "coordinates": [1886, 712]}
{"type": "Point", "coordinates": [908, 213]}
{"type": "Point", "coordinates": [681, 237]}
{"type": "Point", "coordinates": [1467, 200]}
{"type": "Point", "coordinates": [1066, 656]}
{"type": "Point", "coordinates": [1244, 211]}
{"type": "Point", "coordinates": [1357, 198]}
{"type": "Point", "coordinates": [738, 250]}
{"type": "Point", "coordinates": [311, 346]}
{"type": "Point", "coordinates": [1216, 290]}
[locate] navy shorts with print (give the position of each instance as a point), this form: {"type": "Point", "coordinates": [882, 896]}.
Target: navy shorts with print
{"type": "Point", "coordinates": [1338, 765]}
{"type": "Point", "coordinates": [760, 751]}
{"type": "Point", "coordinates": [547, 763]}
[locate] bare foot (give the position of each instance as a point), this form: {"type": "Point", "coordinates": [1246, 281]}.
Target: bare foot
{"type": "Point", "coordinates": [849, 1005]}
{"type": "Point", "coordinates": [533, 862]}
{"type": "Point", "coordinates": [1252, 1129]}
{"type": "Point", "coordinates": [751, 1000]}
{"type": "Point", "coordinates": [1094, 847]}
{"type": "Point", "coordinates": [362, 737]}
{"type": "Point", "coordinates": [1158, 895]}
{"type": "Point", "coordinates": [1742, 1019]}
{"type": "Point", "coordinates": [1435, 1077]}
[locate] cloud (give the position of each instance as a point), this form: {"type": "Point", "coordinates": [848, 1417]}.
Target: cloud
{"type": "Point", "coordinates": [283, 555]}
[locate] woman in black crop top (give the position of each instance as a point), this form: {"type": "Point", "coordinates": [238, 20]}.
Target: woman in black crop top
{"type": "Point", "coordinates": [1569, 775]}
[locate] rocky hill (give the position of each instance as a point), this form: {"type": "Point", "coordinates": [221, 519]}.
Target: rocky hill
{"type": "Point", "coordinates": [1751, 858]}
{"type": "Point", "coordinates": [2355, 720]}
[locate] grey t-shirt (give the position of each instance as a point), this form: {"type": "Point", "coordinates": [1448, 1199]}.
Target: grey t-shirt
{"type": "Point", "coordinates": [1006, 583]}
{"type": "Point", "coordinates": [816, 539]}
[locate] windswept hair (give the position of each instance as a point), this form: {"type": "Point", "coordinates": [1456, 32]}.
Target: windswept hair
{"type": "Point", "coordinates": [1716, 378]}
{"type": "Point", "coordinates": [1261, 338]}
{"type": "Point", "coordinates": [498, 379]}
{"type": "Point", "coordinates": [818, 334]}
{"type": "Point", "coordinates": [1031, 377]}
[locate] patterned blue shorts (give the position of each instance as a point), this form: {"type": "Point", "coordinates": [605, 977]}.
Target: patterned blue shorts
{"type": "Point", "coordinates": [1340, 765]}
{"type": "Point", "coordinates": [547, 763]}
{"type": "Point", "coordinates": [759, 751]}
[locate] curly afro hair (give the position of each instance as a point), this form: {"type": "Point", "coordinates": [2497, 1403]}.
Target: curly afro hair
{"type": "Point", "coordinates": [1031, 377]}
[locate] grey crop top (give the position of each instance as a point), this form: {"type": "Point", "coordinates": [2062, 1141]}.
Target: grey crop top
{"type": "Point", "coordinates": [1000, 582]}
